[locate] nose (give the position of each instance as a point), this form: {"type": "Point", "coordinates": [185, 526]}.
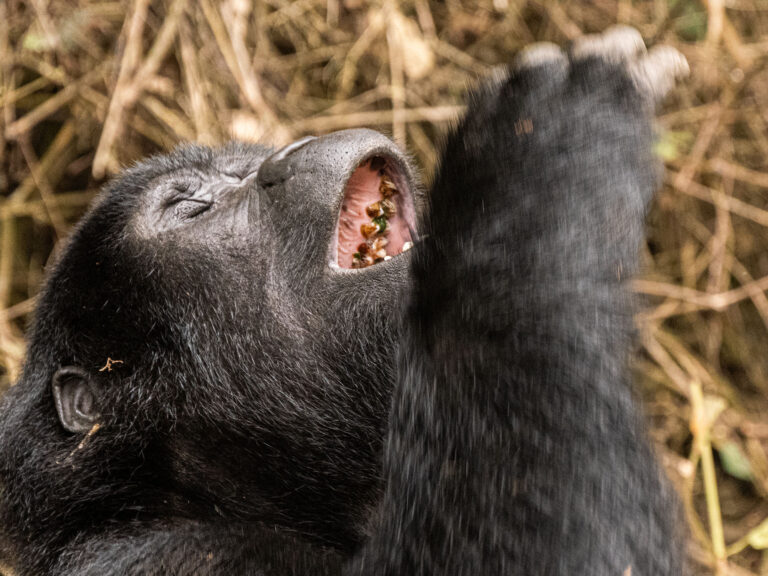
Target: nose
{"type": "Point", "coordinates": [276, 168]}
{"type": "Point", "coordinates": [326, 160]}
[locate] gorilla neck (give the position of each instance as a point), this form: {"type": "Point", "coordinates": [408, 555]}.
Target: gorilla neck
{"type": "Point", "coordinates": [301, 434]}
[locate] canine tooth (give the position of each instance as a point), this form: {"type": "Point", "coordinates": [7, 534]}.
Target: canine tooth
{"type": "Point", "coordinates": [407, 246]}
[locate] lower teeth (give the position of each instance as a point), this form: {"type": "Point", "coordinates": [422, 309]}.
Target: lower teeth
{"type": "Point", "coordinates": [360, 261]}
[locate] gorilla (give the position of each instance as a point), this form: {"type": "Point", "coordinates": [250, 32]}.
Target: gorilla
{"type": "Point", "coordinates": [238, 367]}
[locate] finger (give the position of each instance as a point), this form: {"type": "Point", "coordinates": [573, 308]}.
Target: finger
{"type": "Point", "coordinates": [617, 44]}
{"type": "Point", "coordinates": [542, 63]}
{"type": "Point", "coordinates": [657, 73]}
{"type": "Point", "coordinates": [540, 54]}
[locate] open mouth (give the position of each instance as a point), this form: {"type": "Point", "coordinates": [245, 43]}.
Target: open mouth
{"type": "Point", "coordinates": [376, 217]}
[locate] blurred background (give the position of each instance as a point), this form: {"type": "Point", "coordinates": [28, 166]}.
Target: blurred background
{"type": "Point", "coordinates": [87, 87]}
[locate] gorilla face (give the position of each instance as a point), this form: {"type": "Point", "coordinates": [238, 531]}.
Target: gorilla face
{"type": "Point", "coordinates": [321, 195]}
{"type": "Point", "coordinates": [207, 319]}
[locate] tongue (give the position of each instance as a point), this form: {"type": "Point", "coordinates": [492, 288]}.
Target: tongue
{"type": "Point", "coordinates": [362, 191]}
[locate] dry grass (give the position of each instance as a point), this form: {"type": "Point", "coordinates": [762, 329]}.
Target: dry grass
{"type": "Point", "coordinates": [87, 87]}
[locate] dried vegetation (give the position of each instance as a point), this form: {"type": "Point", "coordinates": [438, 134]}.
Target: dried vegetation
{"type": "Point", "coordinates": [87, 87]}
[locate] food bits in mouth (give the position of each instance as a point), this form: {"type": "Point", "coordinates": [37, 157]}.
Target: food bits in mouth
{"type": "Point", "coordinates": [373, 250]}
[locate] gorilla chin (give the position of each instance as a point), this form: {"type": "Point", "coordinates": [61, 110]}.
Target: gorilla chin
{"type": "Point", "coordinates": [246, 361]}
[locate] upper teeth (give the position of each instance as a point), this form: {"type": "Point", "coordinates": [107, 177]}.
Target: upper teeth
{"type": "Point", "coordinates": [387, 188]}
{"type": "Point", "coordinates": [373, 249]}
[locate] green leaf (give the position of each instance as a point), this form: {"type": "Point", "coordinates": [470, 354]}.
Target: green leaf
{"type": "Point", "coordinates": [691, 26]}
{"type": "Point", "coordinates": [35, 42]}
{"type": "Point", "coordinates": [712, 407]}
{"type": "Point", "coordinates": [734, 461]}
{"type": "Point", "coordinates": [672, 144]}
{"type": "Point", "coordinates": [758, 536]}
{"type": "Point", "coordinates": [666, 150]}
{"type": "Point", "coordinates": [381, 222]}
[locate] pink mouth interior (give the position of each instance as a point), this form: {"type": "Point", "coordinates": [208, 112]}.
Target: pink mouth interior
{"type": "Point", "coordinates": [362, 190]}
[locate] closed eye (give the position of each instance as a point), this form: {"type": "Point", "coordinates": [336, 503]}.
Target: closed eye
{"type": "Point", "coordinates": [188, 208]}
{"type": "Point", "coordinates": [184, 203]}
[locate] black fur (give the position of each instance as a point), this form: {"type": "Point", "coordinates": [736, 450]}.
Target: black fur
{"type": "Point", "coordinates": [244, 429]}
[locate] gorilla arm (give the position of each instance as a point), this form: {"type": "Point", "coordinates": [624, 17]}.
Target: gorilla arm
{"type": "Point", "coordinates": [514, 445]}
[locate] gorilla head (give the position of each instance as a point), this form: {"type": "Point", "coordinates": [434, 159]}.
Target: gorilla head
{"type": "Point", "coordinates": [203, 349]}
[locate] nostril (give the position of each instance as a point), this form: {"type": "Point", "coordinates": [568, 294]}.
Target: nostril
{"type": "Point", "coordinates": [273, 173]}
{"type": "Point", "coordinates": [274, 169]}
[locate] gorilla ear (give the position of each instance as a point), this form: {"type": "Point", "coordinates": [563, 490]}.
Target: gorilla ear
{"type": "Point", "coordinates": [76, 399]}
